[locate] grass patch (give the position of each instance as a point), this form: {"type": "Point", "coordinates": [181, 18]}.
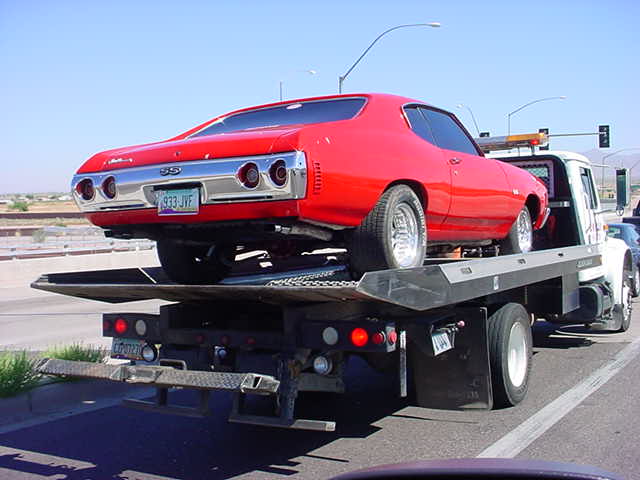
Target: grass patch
{"type": "Point", "coordinates": [77, 352]}
{"type": "Point", "coordinates": [17, 374]}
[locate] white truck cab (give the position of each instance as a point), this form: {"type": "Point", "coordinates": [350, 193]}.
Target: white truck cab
{"type": "Point", "coordinates": [577, 218]}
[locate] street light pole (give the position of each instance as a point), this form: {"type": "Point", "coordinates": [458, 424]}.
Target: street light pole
{"type": "Point", "coordinates": [473, 117]}
{"type": "Point", "coordinates": [310, 72]}
{"type": "Point", "coordinates": [526, 105]}
{"type": "Point", "coordinates": [342, 78]}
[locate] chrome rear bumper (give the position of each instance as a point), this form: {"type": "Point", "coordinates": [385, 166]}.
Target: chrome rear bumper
{"type": "Point", "coordinates": [217, 180]}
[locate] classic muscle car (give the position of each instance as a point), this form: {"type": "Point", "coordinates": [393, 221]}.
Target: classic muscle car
{"type": "Point", "coordinates": [388, 178]}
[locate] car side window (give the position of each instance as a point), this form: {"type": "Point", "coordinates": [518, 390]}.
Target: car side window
{"type": "Point", "coordinates": [419, 124]}
{"type": "Point", "coordinates": [447, 132]}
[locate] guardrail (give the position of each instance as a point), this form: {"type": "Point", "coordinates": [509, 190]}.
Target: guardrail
{"type": "Point", "coordinates": [61, 248]}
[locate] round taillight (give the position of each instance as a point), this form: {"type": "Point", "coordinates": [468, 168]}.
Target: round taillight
{"type": "Point", "coordinates": [85, 189]}
{"type": "Point", "coordinates": [330, 336]}
{"type": "Point", "coordinates": [392, 338]}
{"type": "Point", "coordinates": [249, 175]}
{"type": "Point", "coordinates": [278, 173]}
{"type": "Point", "coordinates": [141, 327]}
{"type": "Point", "coordinates": [120, 326]}
{"type": "Point", "coordinates": [109, 187]}
{"type": "Point", "coordinates": [378, 338]}
{"type": "Point", "coordinates": [359, 337]}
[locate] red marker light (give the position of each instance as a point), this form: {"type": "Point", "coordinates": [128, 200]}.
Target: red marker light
{"type": "Point", "coordinates": [359, 337]}
{"type": "Point", "coordinates": [251, 341]}
{"type": "Point", "coordinates": [121, 326]}
{"type": "Point", "coordinates": [534, 141]}
{"type": "Point", "coordinates": [378, 338]}
{"type": "Point", "coordinates": [392, 338]}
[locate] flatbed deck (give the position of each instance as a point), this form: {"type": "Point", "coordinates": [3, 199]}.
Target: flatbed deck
{"type": "Point", "coordinates": [436, 284]}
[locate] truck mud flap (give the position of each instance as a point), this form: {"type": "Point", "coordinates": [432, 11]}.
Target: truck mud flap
{"type": "Point", "coordinates": [460, 378]}
{"type": "Point", "coordinates": [163, 377]}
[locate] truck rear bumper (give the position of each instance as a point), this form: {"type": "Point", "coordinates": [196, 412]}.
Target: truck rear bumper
{"type": "Point", "coordinates": [163, 377]}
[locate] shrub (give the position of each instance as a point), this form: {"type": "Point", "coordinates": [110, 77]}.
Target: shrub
{"type": "Point", "coordinates": [17, 373]}
{"type": "Point", "coordinates": [77, 352]}
{"type": "Point", "coordinates": [19, 206]}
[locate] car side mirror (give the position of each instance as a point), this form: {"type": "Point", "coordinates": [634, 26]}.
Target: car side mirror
{"type": "Point", "coordinates": [623, 189]}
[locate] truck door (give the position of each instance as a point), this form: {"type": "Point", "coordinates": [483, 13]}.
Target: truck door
{"type": "Point", "coordinates": [588, 206]}
{"type": "Point", "coordinates": [480, 193]}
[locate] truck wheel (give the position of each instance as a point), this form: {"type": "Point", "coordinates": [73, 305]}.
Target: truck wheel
{"type": "Point", "coordinates": [520, 238]}
{"type": "Point", "coordinates": [623, 310]}
{"type": "Point", "coordinates": [190, 265]}
{"type": "Point", "coordinates": [393, 235]}
{"type": "Point", "coordinates": [635, 290]}
{"type": "Point", "coordinates": [510, 345]}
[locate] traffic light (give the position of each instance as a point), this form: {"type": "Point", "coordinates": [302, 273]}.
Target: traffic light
{"type": "Point", "coordinates": [485, 134]}
{"type": "Point", "coordinates": [546, 132]}
{"type": "Point", "coordinates": [604, 140]}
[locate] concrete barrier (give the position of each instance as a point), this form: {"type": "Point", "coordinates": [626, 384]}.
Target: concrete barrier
{"type": "Point", "coordinates": [17, 273]}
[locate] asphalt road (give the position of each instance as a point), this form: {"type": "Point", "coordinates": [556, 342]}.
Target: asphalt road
{"type": "Point", "coordinates": [374, 426]}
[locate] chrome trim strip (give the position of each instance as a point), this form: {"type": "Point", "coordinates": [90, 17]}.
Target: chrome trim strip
{"type": "Point", "coordinates": [216, 179]}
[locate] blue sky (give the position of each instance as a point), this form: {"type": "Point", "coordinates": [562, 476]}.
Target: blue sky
{"type": "Point", "coordinates": [78, 77]}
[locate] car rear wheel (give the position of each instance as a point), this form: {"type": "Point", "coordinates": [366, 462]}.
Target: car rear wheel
{"type": "Point", "coordinates": [520, 238]}
{"type": "Point", "coordinates": [393, 235]}
{"type": "Point", "coordinates": [191, 265]}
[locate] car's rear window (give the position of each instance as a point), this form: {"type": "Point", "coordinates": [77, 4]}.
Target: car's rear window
{"type": "Point", "coordinates": [291, 114]}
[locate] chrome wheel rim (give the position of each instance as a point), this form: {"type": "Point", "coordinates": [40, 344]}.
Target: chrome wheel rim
{"type": "Point", "coordinates": [525, 231]}
{"type": "Point", "coordinates": [626, 303]}
{"type": "Point", "coordinates": [517, 359]}
{"type": "Point", "coordinates": [405, 237]}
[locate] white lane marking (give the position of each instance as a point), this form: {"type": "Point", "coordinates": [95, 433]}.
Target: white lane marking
{"type": "Point", "coordinates": [527, 432]}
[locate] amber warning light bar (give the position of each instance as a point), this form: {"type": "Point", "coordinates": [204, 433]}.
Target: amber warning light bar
{"type": "Point", "coordinates": [489, 144]}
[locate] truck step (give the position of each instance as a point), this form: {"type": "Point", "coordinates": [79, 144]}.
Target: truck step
{"type": "Point", "coordinates": [252, 383]}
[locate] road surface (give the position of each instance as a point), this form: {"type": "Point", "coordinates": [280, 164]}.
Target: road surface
{"type": "Point", "coordinates": [565, 416]}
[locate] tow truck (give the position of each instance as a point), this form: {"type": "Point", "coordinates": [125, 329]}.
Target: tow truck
{"type": "Point", "coordinates": [460, 326]}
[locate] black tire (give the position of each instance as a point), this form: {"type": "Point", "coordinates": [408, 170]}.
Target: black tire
{"type": "Point", "coordinates": [623, 310]}
{"type": "Point", "coordinates": [635, 288]}
{"type": "Point", "coordinates": [370, 244]}
{"type": "Point", "coordinates": [190, 265]}
{"type": "Point", "coordinates": [509, 385]}
{"type": "Point", "coordinates": [514, 243]}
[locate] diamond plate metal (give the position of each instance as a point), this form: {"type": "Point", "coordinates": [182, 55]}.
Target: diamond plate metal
{"type": "Point", "coordinates": [163, 376]}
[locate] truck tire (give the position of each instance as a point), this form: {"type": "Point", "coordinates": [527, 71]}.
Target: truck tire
{"type": "Point", "coordinates": [510, 352]}
{"type": "Point", "coordinates": [392, 235]}
{"type": "Point", "coordinates": [189, 265]}
{"type": "Point", "coordinates": [623, 310]}
{"type": "Point", "coordinates": [635, 289]}
{"type": "Point", "coordinates": [520, 238]}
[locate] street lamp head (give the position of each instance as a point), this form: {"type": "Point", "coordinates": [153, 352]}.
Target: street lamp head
{"type": "Point", "coordinates": [434, 24]}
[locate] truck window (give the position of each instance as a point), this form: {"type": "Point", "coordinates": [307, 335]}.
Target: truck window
{"type": "Point", "coordinates": [447, 133]}
{"type": "Point", "coordinates": [419, 124]}
{"type": "Point", "coordinates": [587, 185]}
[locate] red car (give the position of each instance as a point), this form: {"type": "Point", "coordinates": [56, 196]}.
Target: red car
{"type": "Point", "coordinates": [388, 178]}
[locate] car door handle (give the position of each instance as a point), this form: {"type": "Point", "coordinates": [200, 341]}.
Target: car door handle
{"type": "Point", "coordinates": [455, 160]}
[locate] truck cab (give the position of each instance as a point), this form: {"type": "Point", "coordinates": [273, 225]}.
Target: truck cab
{"type": "Point", "coordinates": [576, 217]}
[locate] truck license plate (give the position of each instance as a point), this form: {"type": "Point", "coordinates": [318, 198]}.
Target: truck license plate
{"type": "Point", "coordinates": [185, 201]}
{"type": "Point", "coordinates": [127, 348]}
{"type": "Point", "coordinates": [441, 342]}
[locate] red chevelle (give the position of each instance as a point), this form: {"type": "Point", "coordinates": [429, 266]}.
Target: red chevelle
{"type": "Point", "coordinates": [389, 178]}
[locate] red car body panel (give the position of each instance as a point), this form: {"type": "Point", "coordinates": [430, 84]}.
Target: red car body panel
{"type": "Point", "coordinates": [350, 163]}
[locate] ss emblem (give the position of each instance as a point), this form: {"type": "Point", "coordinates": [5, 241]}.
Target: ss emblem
{"type": "Point", "coordinates": [170, 171]}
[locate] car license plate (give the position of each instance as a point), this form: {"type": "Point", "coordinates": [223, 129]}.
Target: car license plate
{"type": "Point", "coordinates": [127, 348]}
{"type": "Point", "coordinates": [441, 342]}
{"type": "Point", "coordinates": [185, 201]}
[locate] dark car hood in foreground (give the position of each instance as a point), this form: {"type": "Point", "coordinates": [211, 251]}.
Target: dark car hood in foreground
{"type": "Point", "coordinates": [482, 468]}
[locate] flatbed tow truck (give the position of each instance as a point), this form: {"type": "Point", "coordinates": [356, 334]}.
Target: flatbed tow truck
{"type": "Point", "coordinates": [460, 327]}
